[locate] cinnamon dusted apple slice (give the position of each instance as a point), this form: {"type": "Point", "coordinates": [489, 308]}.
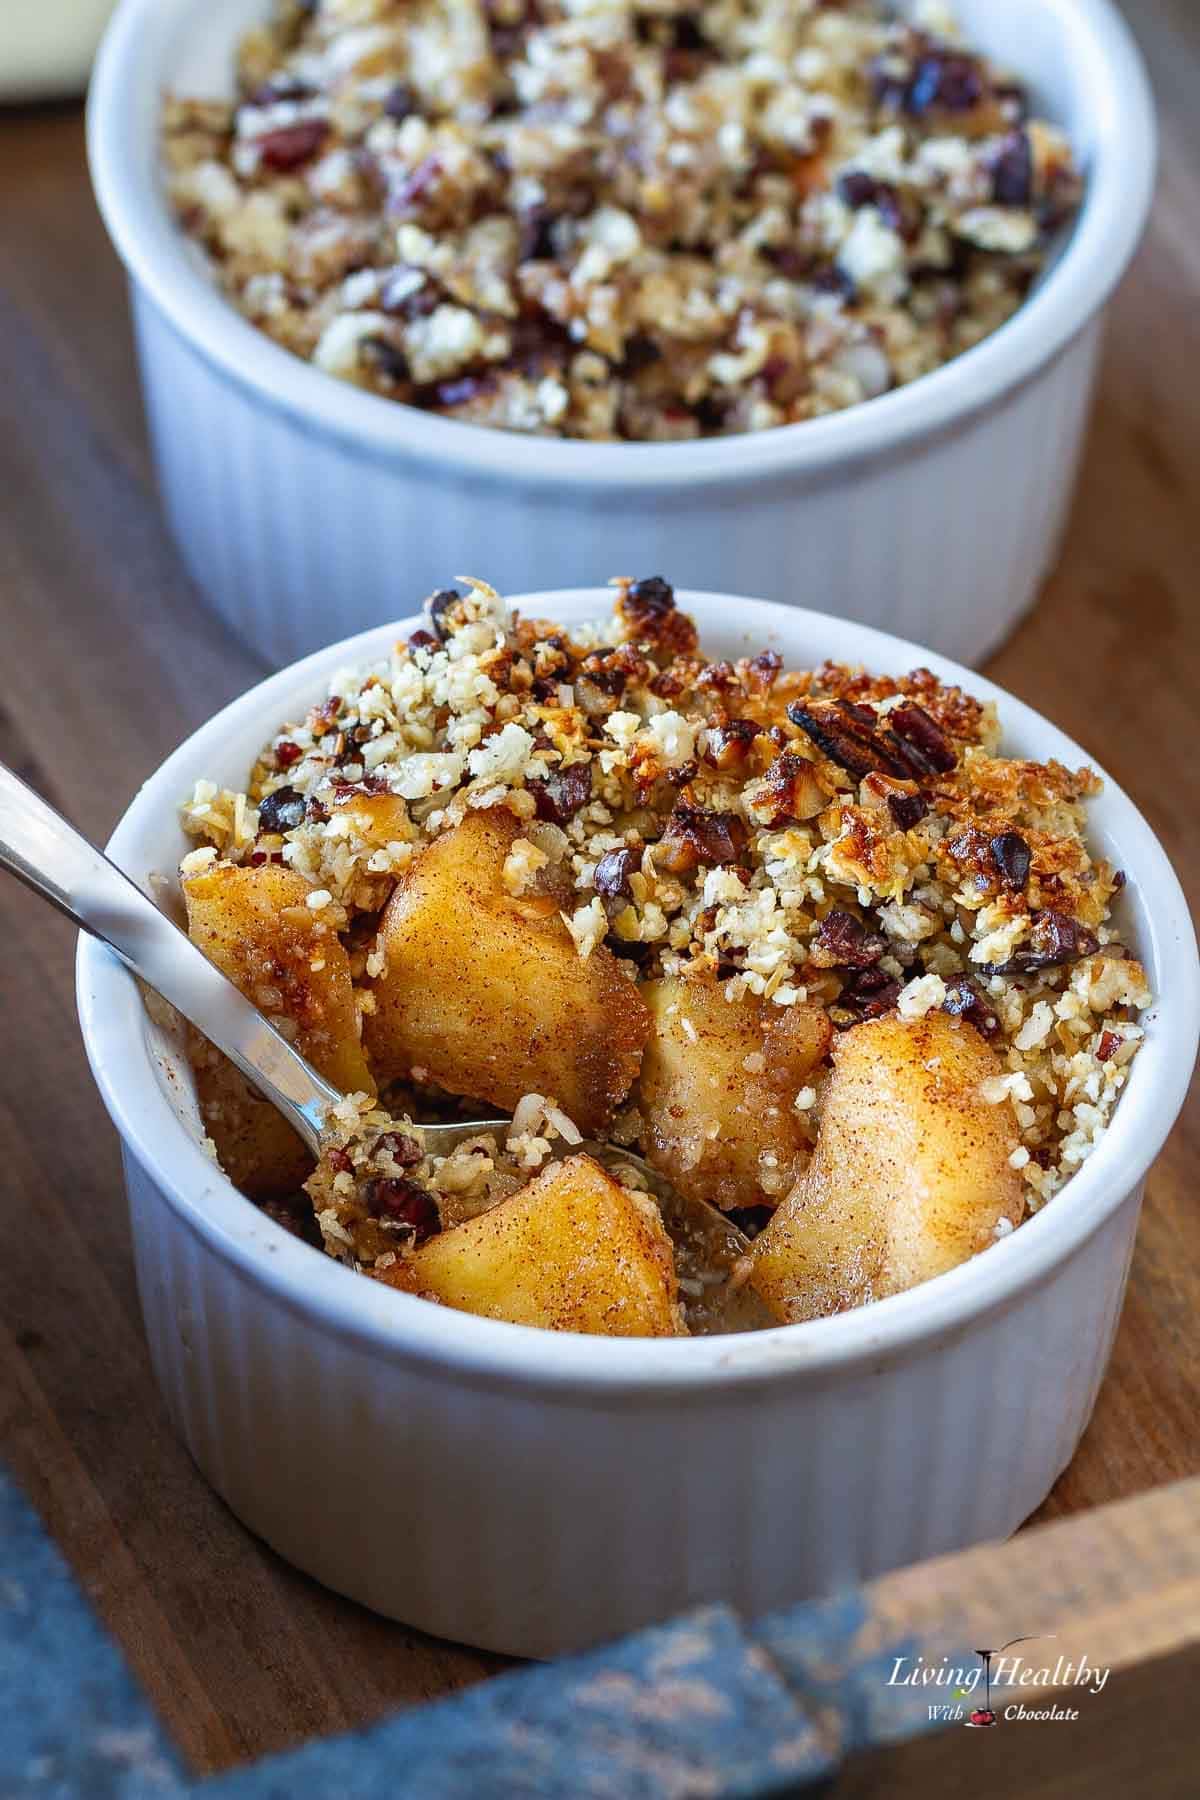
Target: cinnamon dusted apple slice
{"type": "Point", "coordinates": [572, 1251]}
{"type": "Point", "coordinates": [485, 992]}
{"type": "Point", "coordinates": [719, 1085]}
{"type": "Point", "coordinates": [910, 1176]}
{"type": "Point", "coordinates": [256, 924]}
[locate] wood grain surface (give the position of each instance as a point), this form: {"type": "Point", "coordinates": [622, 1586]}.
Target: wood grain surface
{"type": "Point", "coordinates": [108, 660]}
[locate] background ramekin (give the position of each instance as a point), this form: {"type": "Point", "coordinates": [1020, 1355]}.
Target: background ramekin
{"type": "Point", "coordinates": [534, 1492]}
{"type": "Point", "coordinates": [304, 507]}
{"type": "Point", "coordinates": [46, 49]}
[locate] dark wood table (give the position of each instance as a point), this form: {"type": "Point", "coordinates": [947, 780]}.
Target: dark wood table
{"type": "Point", "coordinates": [109, 660]}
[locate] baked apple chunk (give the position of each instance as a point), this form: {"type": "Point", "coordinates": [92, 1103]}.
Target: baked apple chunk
{"type": "Point", "coordinates": [718, 1089]}
{"type": "Point", "coordinates": [484, 992]}
{"type": "Point", "coordinates": [256, 925]}
{"type": "Point", "coordinates": [910, 1176]}
{"type": "Point", "coordinates": [572, 1251]}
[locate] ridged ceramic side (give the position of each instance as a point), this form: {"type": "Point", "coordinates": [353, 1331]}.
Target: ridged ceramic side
{"type": "Point", "coordinates": [532, 1491]}
{"type": "Point", "coordinates": [515, 1521]}
{"type": "Point", "coordinates": [897, 546]}
{"type": "Point", "coordinates": [306, 509]}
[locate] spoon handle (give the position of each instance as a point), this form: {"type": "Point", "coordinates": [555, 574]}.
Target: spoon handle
{"type": "Point", "coordinates": [40, 848]}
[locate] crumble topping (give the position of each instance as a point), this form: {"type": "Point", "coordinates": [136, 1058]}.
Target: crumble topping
{"type": "Point", "coordinates": [632, 219]}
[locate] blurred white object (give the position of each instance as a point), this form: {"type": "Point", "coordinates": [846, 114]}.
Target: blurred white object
{"type": "Point", "coordinates": [305, 507]}
{"type": "Point", "coordinates": [47, 46]}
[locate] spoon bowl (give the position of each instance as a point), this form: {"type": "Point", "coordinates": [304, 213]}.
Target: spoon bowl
{"type": "Point", "coordinates": [708, 1245]}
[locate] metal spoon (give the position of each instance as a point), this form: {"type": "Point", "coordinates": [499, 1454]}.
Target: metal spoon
{"type": "Point", "coordinates": [40, 848]}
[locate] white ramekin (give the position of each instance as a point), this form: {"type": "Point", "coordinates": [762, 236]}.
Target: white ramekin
{"type": "Point", "coordinates": [305, 507]}
{"type": "Point", "coordinates": [533, 1492]}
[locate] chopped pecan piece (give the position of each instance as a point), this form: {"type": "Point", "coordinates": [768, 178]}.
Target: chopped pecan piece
{"type": "Point", "coordinates": [764, 668]}
{"type": "Point", "coordinates": [840, 731]}
{"type": "Point", "coordinates": [900, 212]}
{"type": "Point", "coordinates": [730, 742]}
{"type": "Point", "coordinates": [791, 791]}
{"type": "Point", "coordinates": [672, 681]}
{"type": "Point", "coordinates": [972, 851]}
{"type": "Point", "coordinates": [551, 666]}
{"type": "Point", "coordinates": [603, 675]}
{"type": "Point", "coordinates": [609, 681]}
{"type": "Point", "coordinates": [717, 677]}
{"type": "Point", "coordinates": [924, 736]}
{"type": "Point", "coordinates": [647, 608]}
{"type": "Point", "coordinates": [612, 669]}
{"type": "Point", "coordinates": [592, 698]}
{"type": "Point", "coordinates": [323, 719]}
{"type": "Point", "coordinates": [694, 836]}
{"type": "Point", "coordinates": [641, 352]}
{"type": "Point", "coordinates": [350, 745]}
{"type": "Point", "coordinates": [551, 654]}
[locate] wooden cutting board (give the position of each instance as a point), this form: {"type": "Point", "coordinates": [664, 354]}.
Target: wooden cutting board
{"type": "Point", "coordinates": [107, 661]}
